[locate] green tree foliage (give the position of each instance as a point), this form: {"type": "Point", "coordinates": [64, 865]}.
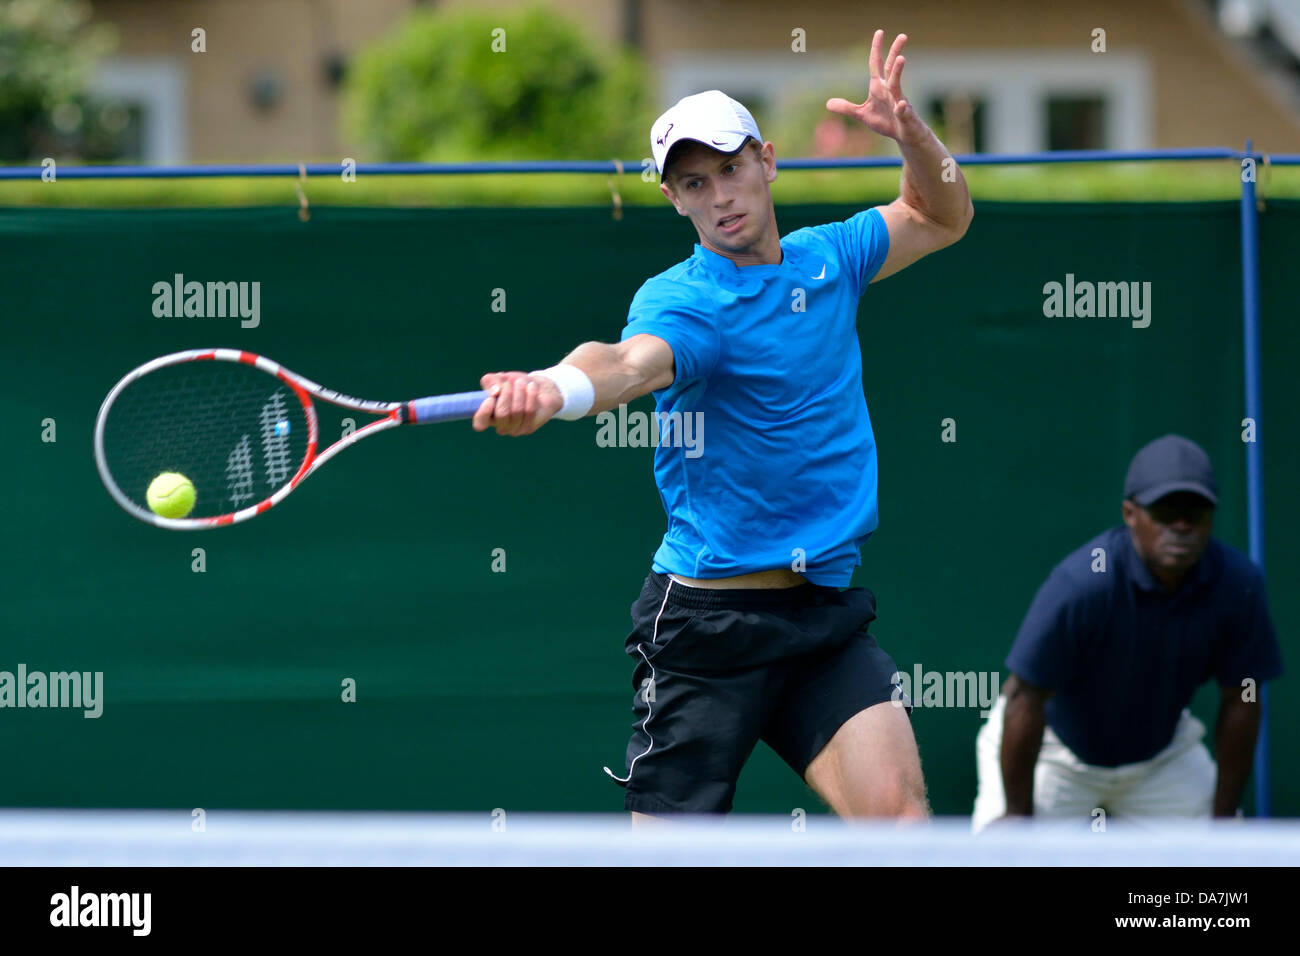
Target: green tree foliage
{"type": "Point", "coordinates": [437, 90]}
{"type": "Point", "coordinates": [47, 50]}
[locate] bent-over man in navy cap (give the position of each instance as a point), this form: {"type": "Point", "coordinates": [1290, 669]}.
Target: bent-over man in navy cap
{"type": "Point", "coordinates": [1120, 635]}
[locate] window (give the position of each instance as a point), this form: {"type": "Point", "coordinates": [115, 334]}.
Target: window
{"type": "Point", "coordinates": [139, 111]}
{"type": "Point", "coordinates": [959, 120]}
{"type": "Point", "coordinates": [1020, 100]}
{"type": "Point", "coordinates": [1076, 122]}
{"type": "Point", "coordinates": [112, 130]}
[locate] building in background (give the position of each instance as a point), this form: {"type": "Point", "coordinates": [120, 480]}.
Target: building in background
{"type": "Point", "coordinates": [995, 75]}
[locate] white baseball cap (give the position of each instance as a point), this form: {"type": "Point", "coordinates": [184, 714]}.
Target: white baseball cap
{"type": "Point", "coordinates": [712, 118]}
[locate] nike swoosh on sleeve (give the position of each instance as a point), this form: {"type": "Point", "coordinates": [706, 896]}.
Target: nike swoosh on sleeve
{"type": "Point", "coordinates": [822, 274]}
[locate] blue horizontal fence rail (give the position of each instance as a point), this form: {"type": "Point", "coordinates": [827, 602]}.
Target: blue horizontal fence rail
{"type": "Point", "coordinates": [1249, 253]}
{"type": "Point", "coordinates": [615, 167]}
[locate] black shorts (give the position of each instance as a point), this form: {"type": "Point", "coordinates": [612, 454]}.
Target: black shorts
{"type": "Point", "coordinates": [719, 670]}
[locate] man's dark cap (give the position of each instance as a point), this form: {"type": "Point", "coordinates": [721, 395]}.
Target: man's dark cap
{"type": "Point", "coordinates": [1168, 464]}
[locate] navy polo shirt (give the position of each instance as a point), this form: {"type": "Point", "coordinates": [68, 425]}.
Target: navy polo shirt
{"type": "Point", "coordinates": [1124, 656]}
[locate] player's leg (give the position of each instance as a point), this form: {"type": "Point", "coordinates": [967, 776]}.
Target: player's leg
{"type": "Point", "coordinates": [1177, 783]}
{"type": "Point", "coordinates": [842, 723]}
{"type": "Point", "coordinates": [871, 767]}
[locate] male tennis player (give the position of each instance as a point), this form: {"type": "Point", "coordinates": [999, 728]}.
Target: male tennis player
{"type": "Point", "coordinates": [1118, 638]}
{"type": "Point", "coordinates": [742, 631]}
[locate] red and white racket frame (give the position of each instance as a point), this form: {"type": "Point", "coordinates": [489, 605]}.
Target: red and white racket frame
{"type": "Point", "coordinates": [394, 414]}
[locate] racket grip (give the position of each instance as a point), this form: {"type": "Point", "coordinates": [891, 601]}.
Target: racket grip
{"type": "Point", "coordinates": [444, 408]}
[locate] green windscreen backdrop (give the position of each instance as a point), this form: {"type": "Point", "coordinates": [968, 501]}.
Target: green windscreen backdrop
{"type": "Point", "coordinates": [476, 588]}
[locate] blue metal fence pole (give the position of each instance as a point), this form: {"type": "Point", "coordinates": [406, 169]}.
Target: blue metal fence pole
{"type": "Point", "coordinates": [1254, 465]}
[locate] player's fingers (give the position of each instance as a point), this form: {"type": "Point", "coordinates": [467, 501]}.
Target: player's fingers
{"type": "Point", "coordinates": [539, 418]}
{"type": "Point", "coordinates": [896, 78]}
{"type": "Point", "coordinates": [893, 52]}
{"type": "Point", "coordinates": [525, 405]}
{"type": "Point", "coordinates": [513, 406]}
{"type": "Point", "coordinates": [838, 104]}
{"type": "Point", "coordinates": [483, 417]}
{"type": "Point", "coordinates": [505, 401]}
{"type": "Point", "coordinates": [873, 61]}
{"type": "Point", "coordinates": [504, 426]}
{"type": "Point", "coordinates": [520, 416]}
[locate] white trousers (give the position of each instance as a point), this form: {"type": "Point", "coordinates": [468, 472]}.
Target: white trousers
{"type": "Point", "coordinates": [1177, 782]}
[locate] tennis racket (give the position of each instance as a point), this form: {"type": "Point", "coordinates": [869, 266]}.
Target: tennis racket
{"type": "Point", "coordinates": [239, 426]}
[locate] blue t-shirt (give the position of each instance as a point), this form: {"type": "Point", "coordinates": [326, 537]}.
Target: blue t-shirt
{"type": "Point", "coordinates": [1125, 656]}
{"type": "Point", "coordinates": [783, 469]}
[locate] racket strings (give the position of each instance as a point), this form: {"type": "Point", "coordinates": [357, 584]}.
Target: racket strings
{"type": "Point", "coordinates": [236, 432]}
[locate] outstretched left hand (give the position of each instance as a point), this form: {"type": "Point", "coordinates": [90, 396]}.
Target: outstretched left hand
{"type": "Point", "coordinates": [885, 111]}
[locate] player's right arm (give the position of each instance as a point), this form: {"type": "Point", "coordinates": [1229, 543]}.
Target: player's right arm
{"type": "Point", "coordinates": [519, 403]}
{"type": "Point", "coordinates": [1023, 720]}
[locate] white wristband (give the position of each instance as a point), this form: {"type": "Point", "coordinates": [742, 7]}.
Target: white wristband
{"type": "Point", "coordinates": [576, 388]}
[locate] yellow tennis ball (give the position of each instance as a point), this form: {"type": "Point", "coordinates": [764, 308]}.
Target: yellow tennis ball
{"type": "Point", "coordinates": [170, 495]}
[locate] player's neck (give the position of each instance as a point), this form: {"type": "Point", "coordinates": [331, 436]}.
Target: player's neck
{"type": "Point", "coordinates": [767, 254]}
